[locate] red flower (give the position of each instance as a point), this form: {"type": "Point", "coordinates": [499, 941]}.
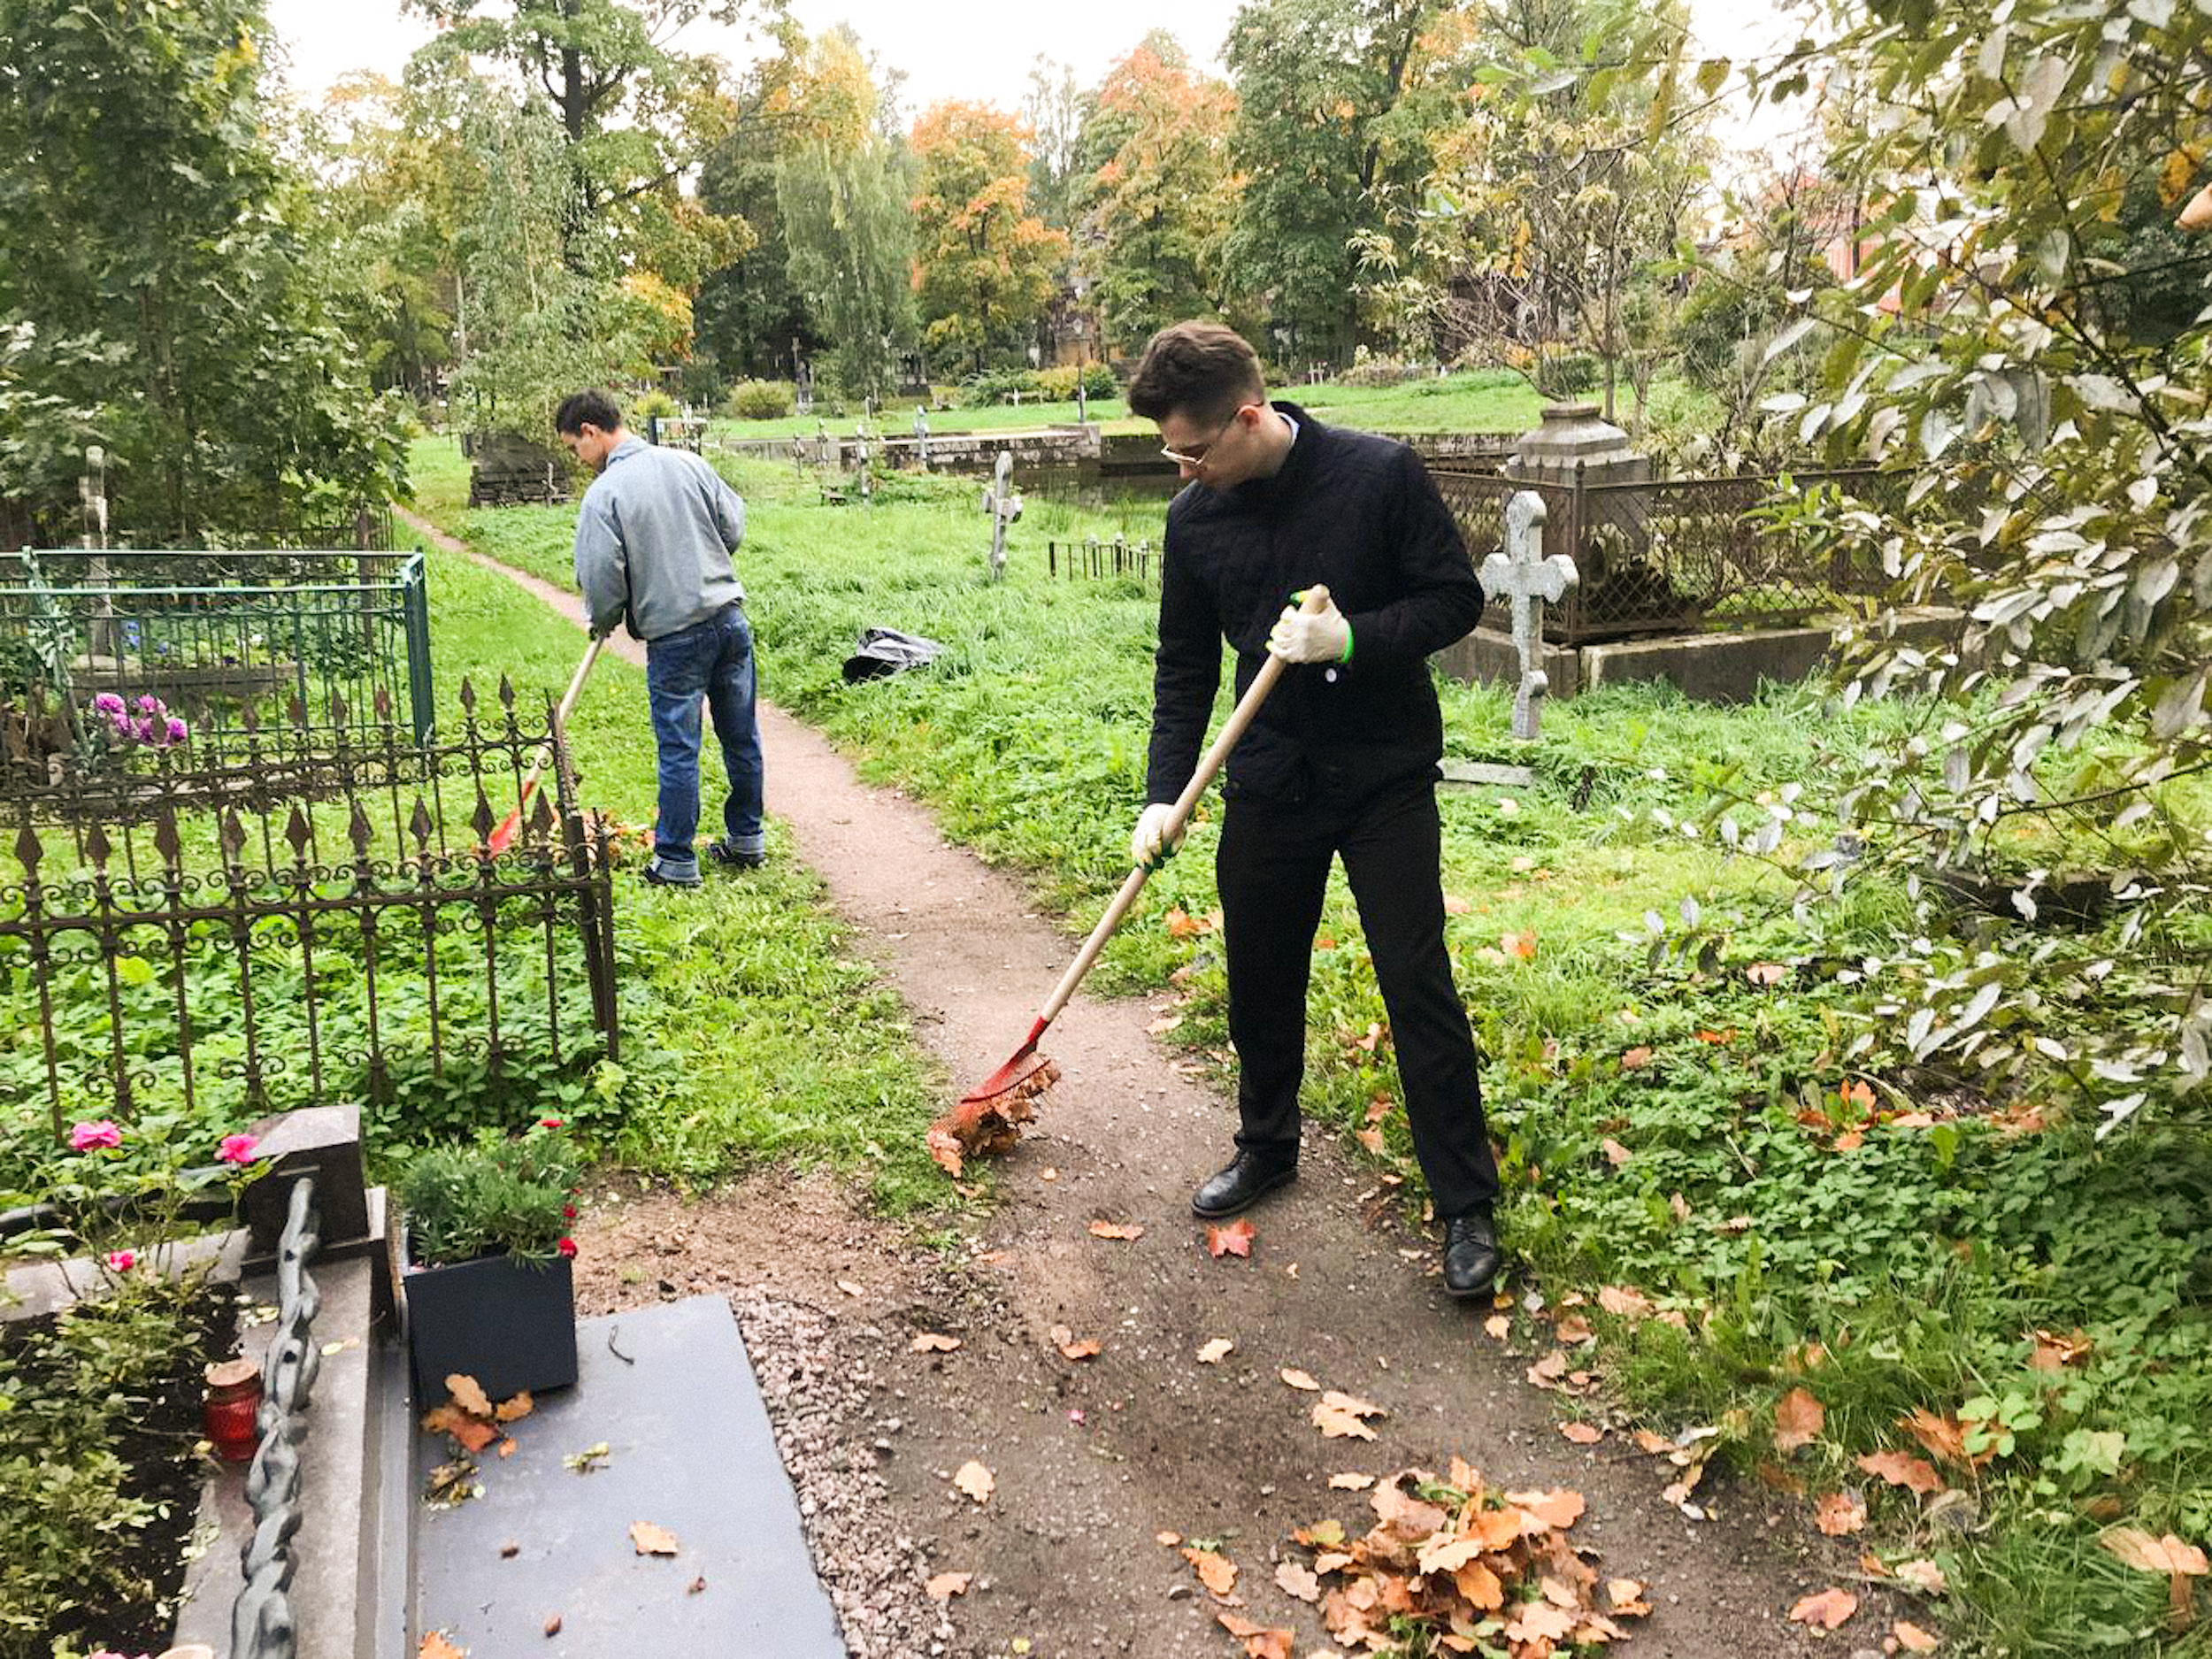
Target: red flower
{"type": "Point", "coordinates": [566, 1247]}
{"type": "Point", "coordinates": [548, 1123]}
{"type": "Point", "coordinates": [568, 1212]}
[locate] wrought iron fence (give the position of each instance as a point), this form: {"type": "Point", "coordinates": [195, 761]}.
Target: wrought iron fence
{"type": "Point", "coordinates": [258, 951]}
{"type": "Point", "coordinates": [1675, 555]}
{"type": "Point", "coordinates": [1096, 559]}
{"type": "Point", "coordinates": [122, 665]}
{"type": "Point", "coordinates": [261, 1622]}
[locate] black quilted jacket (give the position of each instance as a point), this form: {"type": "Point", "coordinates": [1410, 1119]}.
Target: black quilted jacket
{"type": "Point", "coordinates": [1360, 513]}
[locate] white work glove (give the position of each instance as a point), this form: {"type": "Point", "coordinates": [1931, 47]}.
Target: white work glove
{"type": "Point", "coordinates": [1324, 637]}
{"type": "Point", "coordinates": [1149, 846]}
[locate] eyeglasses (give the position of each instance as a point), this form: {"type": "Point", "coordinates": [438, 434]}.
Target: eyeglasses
{"type": "Point", "coordinates": [1197, 457]}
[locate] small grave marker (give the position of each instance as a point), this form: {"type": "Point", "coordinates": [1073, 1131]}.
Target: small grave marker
{"type": "Point", "coordinates": [1004, 506]}
{"type": "Point", "coordinates": [1522, 573]}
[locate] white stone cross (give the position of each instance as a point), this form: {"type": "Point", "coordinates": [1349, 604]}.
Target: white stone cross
{"type": "Point", "coordinates": [921, 435]}
{"type": "Point", "coordinates": [1004, 506]}
{"type": "Point", "coordinates": [1522, 573]}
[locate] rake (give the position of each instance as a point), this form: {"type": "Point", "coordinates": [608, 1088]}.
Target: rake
{"type": "Point", "coordinates": [502, 838]}
{"type": "Point", "coordinates": [1012, 1091]}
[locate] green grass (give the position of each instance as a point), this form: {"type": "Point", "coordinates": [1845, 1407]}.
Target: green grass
{"type": "Point", "coordinates": [896, 419]}
{"type": "Point", "coordinates": [752, 1032]}
{"type": "Point", "coordinates": [1644, 1105]}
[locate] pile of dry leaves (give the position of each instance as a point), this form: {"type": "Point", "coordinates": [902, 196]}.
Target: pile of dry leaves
{"type": "Point", "coordinates": [1474, 1569]}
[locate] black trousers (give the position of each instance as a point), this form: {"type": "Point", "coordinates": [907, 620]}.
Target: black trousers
{"type": "Point", "coordinates": [1272, 869]}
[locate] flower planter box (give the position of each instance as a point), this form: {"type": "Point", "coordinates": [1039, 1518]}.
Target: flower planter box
{"type": "Point", "coordinates": [509, 1324]}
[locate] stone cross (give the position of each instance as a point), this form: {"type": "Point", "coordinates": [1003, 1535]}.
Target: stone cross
{"type": "Point", "coordinates": [867, 490]}
{"type": "Point", "coordinates": [1082, 402]}
{"type": "Point", "coordinates": [921, 436]}
{"type": "Point", "coordinates": [1004, 506]}
{"type": "Point", "coordinates": [1522, 575]}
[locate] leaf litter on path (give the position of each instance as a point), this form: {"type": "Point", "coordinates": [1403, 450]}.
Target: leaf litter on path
{"type": "Point", "coordinates": [1444, 1556]}
{"type": "Point", "coordinates": [1234, 1240]}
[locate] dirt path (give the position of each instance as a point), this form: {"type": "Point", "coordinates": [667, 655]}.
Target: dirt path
{"type": "Point", "coordinates": [1092, 1459]}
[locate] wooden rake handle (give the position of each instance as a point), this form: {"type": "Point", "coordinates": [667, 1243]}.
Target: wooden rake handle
{"type": "Point", "coordinates": [1316, 601]}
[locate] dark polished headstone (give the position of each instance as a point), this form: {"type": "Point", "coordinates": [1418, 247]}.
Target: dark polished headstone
{"type": "Point", "coordinates": [689, 1449]}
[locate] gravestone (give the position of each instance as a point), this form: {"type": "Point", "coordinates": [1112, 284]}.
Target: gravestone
{"type": "Point", "coordinates": [1522, 575]}
{"type": "Point", "coordinates": [1004, 506]}
{"type": "Point", "coordinates": [1082, 404]}
{"type": "Point", "coordinates": [921, 436]}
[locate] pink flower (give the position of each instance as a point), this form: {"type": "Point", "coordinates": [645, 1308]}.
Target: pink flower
{"type": "Point", "coordinates": [178, 730]}
{"type": "Point", "coordinates": [237, 1148]}
{"type": "Point", "coordinates": [122, 1261]}
{"type": "Point", "coordinates": [566, 1247]}
{"type": "Point", "coordinates": [99, 1133]}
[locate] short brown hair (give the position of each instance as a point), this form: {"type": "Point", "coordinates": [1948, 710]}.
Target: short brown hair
{"type": "Point", "coordinates": [1203, 369]}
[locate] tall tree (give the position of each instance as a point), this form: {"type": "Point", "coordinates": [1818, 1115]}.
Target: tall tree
{"type": "Point", "coordinates": [749, 313]}
{"type": "Point", "coordinates": [987, 264]}
{"type": "Point", "coordinates": [1316, 82]}
{"type": "Point", "coordinates": [154, 288]}
{"type": "Point", "coordinates": [638, 114]}
{"type": "Point", "coordinates": [1156, 192]}
{"type": "Point", "coordinates": [1560, 188]}
{"type": "Point", "coordinates": [1055, 110]}
{"type": "Point", "coordinates": [841, 191]}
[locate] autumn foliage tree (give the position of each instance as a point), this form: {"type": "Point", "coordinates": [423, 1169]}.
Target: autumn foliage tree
{"type": "Point", "coordinates": [985, 263]}
{"type": "Point", "coordinates": [1158, 194]}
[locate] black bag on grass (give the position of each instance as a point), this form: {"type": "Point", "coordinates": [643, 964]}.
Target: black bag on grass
{"type": "Point", "coordinates": [888, 652]}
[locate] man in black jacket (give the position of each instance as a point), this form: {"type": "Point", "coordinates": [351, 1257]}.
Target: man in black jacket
{"type": "Point", "coordinates": [1342, 761]}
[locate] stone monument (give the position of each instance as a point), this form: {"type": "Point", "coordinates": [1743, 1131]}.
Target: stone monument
{"type": "Point", "coordinates": [1531, 581]}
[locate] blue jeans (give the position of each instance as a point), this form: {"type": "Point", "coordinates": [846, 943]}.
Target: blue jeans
{"type": "Point", "coordinates": [713, 659]}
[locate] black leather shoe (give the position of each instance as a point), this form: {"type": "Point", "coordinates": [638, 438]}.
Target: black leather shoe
{"type": "Point", "coordinates": [1248, 1179]}
{"type": "Point", "coordinates": [1471, 1254]}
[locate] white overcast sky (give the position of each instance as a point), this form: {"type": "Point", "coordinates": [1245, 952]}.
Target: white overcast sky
{"type": "Point", "coordinates": [979, 50]}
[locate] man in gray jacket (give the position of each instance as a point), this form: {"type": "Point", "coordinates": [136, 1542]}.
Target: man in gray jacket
{"type": "Point", "coordinates": [653, 544]}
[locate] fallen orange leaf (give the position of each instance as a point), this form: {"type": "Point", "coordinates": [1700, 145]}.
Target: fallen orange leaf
{"type": "Point", "coordinates": [974, 1480]}
{"type": "Point", "coordinates": [1557, 1509]}
{"type": "Point", "coordinates": [1943, 1436]}
{"type": "Point", "coordinates": [1234, 1240]}
{"type": "Point", "coordinates": [1582, 1433]}
{"type": "Point", "coordinates": [1798, 1419]}
{"type": "Point", "coordinates": [468, 1396]}
{"type": "Point", "coordinates": [1522, 945]}
{"type": "Point", "coordinates": [435, 1646]}
{"type": "Point", "coordinates": [1259, 1641]}
{"type": "Point", "coordinates": [1902, 1469]}
{"type": "Point", "coordinates": [1214, 1351]}
{"type": "Point", "coordinates": [1181, 925]}
{"type": "Point", "coordinates": [1839, 1514]}
{"type": "Point", "coordinates": [1216, 1571]}
{"type": "Point", "coordinates": [1636, 1059]}
{"type": "Point", "coordinates": [1627, 1597]}
{"type": "Point", "coordinates": [650, 1540]}
{"type": "Point", "coordinates": [1912, 1639]}
{"type": "Point", "coordinates": [1297, 1582]}
{"type": "Point", "coordinates": [1351, 1482]}
{"type": "Point", "coordinates": [945, 1586]}
{"type": "Point", "coordinates": [1064, 1340]}
{"type": "Point", "coordinates": [931, 1342]}
{"type": "Point", "coordinates": [515, 1410]}
{"type": "Point", "coordinates": [1339, 1417]}
{"type": "Point", "coordinates": [1827, 1609]}
{"type": "Point", "coordinates": [1297, 1379]}
{"type": "Point", "coordinates": [1116, 1229]}
{"type": "Point", "coordinates": [2138, 1549]}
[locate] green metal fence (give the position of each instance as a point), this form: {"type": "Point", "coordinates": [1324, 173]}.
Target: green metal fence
{"type": "Point", "coordinates": [126, 662]}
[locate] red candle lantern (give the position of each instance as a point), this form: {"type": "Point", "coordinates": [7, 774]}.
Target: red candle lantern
{"type": "Point", "coordinates": [233, 1400]}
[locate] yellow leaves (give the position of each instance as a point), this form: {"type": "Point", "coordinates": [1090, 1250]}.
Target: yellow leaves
{"type": "Point", "coordinates": [1798, 1419]}
{"type": "Point", "coordinates": [975, 1480]}
{"type": "Point", "coordinates": [2175, 176]}
{"type": "Point", "coordinates": [1827, 1609]}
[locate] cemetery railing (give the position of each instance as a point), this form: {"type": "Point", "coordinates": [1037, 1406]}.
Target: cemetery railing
{"type": "Point", "coordinates": [241, 953]}
{"type": "Point", "coordinates": [217, 661]}
{"type": "Point", "coordinates": [1676, 555]}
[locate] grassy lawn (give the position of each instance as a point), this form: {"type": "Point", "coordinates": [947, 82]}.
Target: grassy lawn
{"type": "Point", "coordinates": [1768, 1218]}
